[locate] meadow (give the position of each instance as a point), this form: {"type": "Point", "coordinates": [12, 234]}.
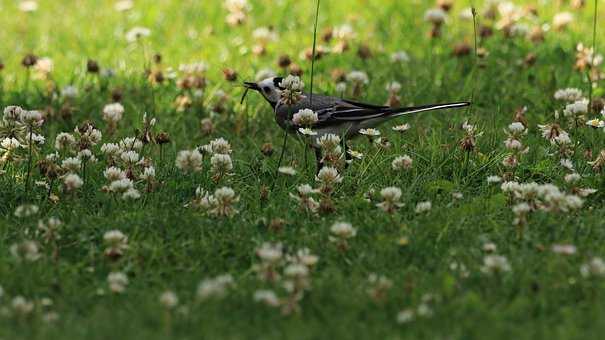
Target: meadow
{"type": "Point", "coordinates": [141, 198]}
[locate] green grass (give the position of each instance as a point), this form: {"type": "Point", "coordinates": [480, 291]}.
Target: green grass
{"type": "Point", "coordinates": [175, 247]}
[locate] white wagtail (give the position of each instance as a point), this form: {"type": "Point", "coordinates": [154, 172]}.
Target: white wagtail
{"type": "Point", "coordinates": [344, 118]}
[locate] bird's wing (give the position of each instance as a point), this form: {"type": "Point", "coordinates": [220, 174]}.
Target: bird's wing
{"type": "Point", "coordinates": [345, 110]}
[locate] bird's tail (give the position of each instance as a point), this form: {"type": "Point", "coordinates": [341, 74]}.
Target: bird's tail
{"type": "Point", "coordinates": [396, 112]}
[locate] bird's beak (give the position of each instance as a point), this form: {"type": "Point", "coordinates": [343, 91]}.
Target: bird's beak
{"type": "Point", "coordinates": [251, 86]}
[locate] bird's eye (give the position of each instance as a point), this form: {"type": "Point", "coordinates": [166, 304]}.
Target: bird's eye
{"type": "Point", "coordinates": [266, 89]}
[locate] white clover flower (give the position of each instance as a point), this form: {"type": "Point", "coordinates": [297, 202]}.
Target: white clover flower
{"type": "Point", "coordinates": [137, 33]}
{"type": "Point", "coordinates": [390, 199]}
{"type": "Point", "coordinates": [516, 127]}
{"type": "Point", "coordinates": [130, 157]}
{"type": "Point", "coordinates": [267, 297]}
{"type": "Point", "coordinates": [405, 316]}
{"type": "Point", "coordinates": [576, 108]}
{"type": "Point", "coordinates": [494, 179]}
{"type": "Point", "coordinates": [567, 164]}
{"type": "Point", "coordinates": [10, 143]}
{"type": "Point", "coordinates": [43, 66]}
{"type": "Point", "coordinates": [569, 95]}
{"type": "Point", "coordinates": [131, 194]}
{"type": "Point", "coordinates": [341, 87]}
{"type": "Point", "coordinates": [287, 170]}
{"type": "Point", "coordinates": [69, 91]}
{"type": "Point", "coordinates": [21, 305]}
{"type": "Point", "coordinates": [401, 128]}
{"type": "Point", "coordinates": [370, 132]}
{"type": "Point", "coordinates": [271, 253]}
{"type": "Point", "coordinates": [148, 173]}
{"type": "Point", "coordinates": [26, 251]}
{"type": "Point", "coordinates": [564, 249]}
{"type": "Point", "coordinates": [117, 282]}
{"type": "Point", "coordinates": [404, 162]}
{"type": "Point", "coordinates": [120, 185]}
{"type": "Point", "coordinates": [358, 77]}
{"type": "Point", "coordinates": [423, 207]}
{"type": "Point", "coordinates": [594, 268]}
{"type": "Point", "coordinates": [114, 174]}
{"type": "Point", "coordinates": [562, 20]}
{"type": "Point", "coordinates": [344, 32]}
{"type": "Point", "coordinates": [123, 5]}
{"type": "Point", "coordinates": [343, 230]}
{"type": "Point", "coordinates": [435, 16]}
{"type": "Point", "coordinates": [12, 113]}
{"type": "Point", "coordinates": [221, 163]}
{"type": "Point", "coordinates": [28, 6]}
{"type": "Point", "coordinates": [220, 145]}
{"type": "Point", "coordinates": [72, 164]}
{"type": "Point", "coordinates": [304, 117]}
{"type": "Point", "coordinates": [400, 57]}
{"type": "Point", "coordinates": [169, 299]}
{"type": "Point", "coordinates": [393, 87]}
{"type": "Point", "coordinates": [26, 210]}
{"type": "Point", "coordinates": [31, 117]}
{"type": "Point", "coordinates": [328, 141]}
{"type": "Point", "coordinates": [72, 182]}
{"type": "Point", "coordinates": [110, 149]}
{"type": "Point", "coordinates": [328, 176]}
{"type": "Point", "coordinates": [189, 160]}
{"type": "Point", "coordinates": [113, 113]}
{"type": "Point", "coordinates": [489, 247]}
{"type": "Point", "coordinates": [573, 177]}
{"type": "Point", "coordinates": [65, 141]}
{"type": "Point", "coordinates": [493, 264]}
{"type": "Point", "coordinates": [131, 144]}
{"type": "Point", "coordinates": [307, 132]}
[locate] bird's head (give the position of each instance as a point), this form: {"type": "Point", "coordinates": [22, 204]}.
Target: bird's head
{"type": "Point", "coordinates": [268, 88]}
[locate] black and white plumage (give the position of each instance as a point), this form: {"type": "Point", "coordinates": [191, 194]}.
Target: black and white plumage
{"type": "Point", "coordinates": [338, 116]}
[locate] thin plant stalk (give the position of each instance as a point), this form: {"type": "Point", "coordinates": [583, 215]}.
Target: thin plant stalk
{"type": "Point", "coordinates": [29, 160]}
{"type": "Point", "coordinates": [594, 53]}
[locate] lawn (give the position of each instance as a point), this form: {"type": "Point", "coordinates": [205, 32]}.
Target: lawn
{"type": "Point", "coordinates": [141, 198]}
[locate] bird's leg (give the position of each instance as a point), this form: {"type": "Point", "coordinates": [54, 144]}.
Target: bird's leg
{"type": "Point", "coordinates": [318, 157]}
{"type": "Point", "coordinates": [348, 156]}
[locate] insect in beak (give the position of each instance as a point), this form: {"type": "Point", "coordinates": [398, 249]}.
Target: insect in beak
{"type": "Point", "coordinates": [249, 86]}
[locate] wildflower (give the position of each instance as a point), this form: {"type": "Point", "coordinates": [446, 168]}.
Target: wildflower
{"type": "Point", "coordinates": [131, 194]}
{"type": "Point", "coordinates": [370, 132]}
{"type": "Point", "coordinates": [495, 264]}
{"type": "Point", "coordinates": [358, 79]}
{"type": "Point", "coordinates": [189, 160]}
{"type": "Point", "coordinates": [593, 268]}
{"type": "Point", "coordinates": [112, 113]}
{"type": "Point", "coordinates": [405, 316]}
{"type": "Point", "coordinates": [69, 92]}
{"type": "Point", "coordinates": [43, 67]}
{"type": "Point", "coordinates": [71, 164]}
{"type": "Point", "coordinates": [26, 210]}
{"type": "Point", "coordinates": [390, 199]}
{"type": "Point", "coordinates": [72, 182]}
{"type": "Point", "coordinates": [238, 10]}
{"type": "Point", "coordinates": [307, 203]}
{"type": "Point", "coordinates": [220, 145]}
{"type": "Point", "coordinates": [22, 306]}
{"type": "Point", "coordinates": [220, 204]}
{"type": "Point", "coordinates": [494, 179]}
{"type": "Point", "coordinates": [49, 230]}
{"type": "Point", "coordinates": [342, 230]}
{"type": "Point", "coordinates": [267, 297]}
{"type": "Point", "coordinates": [304, 117]}
{"type": "Point", "coordinates": [292, 88]}
{"type": "Point", "coordinates": [28, 6]}
{"type": "Point", "coordinates": [569, 95]}
{"type": "Point", "coordinates": [596, 123]}
{"type": "Point", "coordinates": [26, 251]}
{"type": "Point", "coordinates": [114, 174]}
{"type": "Point", "coordinates": [328, 177]}
{"type": "Point", "coordinates": [402, 163]}
{"type": "Point", "coordinates": [137, 33]}
{"type": "Point", "coordinates": [10, 143]}
{"type": "Point", "coordinates": [116, 243]}
{"type": "Point", "coordinates": [64, 141]}
{"type": "Point", "coordinates": [169, 299]}
{"type": "Point", "coordinates": [117, 282]}
{"type": "Point", "coordinates": [307, 132]}
{"type": "Point", "coordinates": [287, 170]}
{"type": "Point", "coordinates": [564, 249]}
{"type": "Point", "coordinates": [379, 287]}
{"type": "Point", "coordinates": [401, 128]}
{"type": "Point", "coordinates": [221, 165]}
{"type": "Point", "coordinates": [562, 20]}
{"type": "Point", "coordinates": [214, 287]}
{"type": "Point", "coordinates": [399, 57]}
{"type": "Point", "coordinates": [123, 5]}
{"type": "Point", "coordinates": [489, 247]}
{"type": "Point", "coordinates": [121, 185]}
{"type": "Point", "coordinates": [423, 207]}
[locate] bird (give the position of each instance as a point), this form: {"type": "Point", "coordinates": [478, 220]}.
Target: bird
{"type": "Point", "coordinates": [335, 115]}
